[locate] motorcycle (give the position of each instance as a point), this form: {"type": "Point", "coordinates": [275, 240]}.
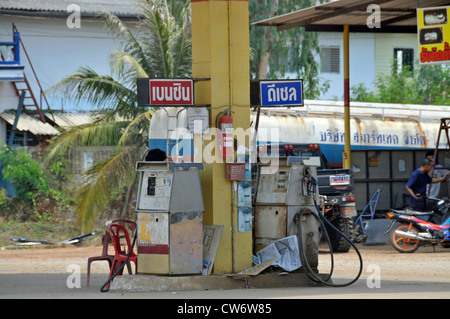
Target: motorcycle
{"type": "Point", "coordinates": [411, 229]}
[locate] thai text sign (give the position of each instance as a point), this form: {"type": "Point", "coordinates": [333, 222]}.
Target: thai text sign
{"type": "Point", "coordinates": [433, 29]}
{"type": "Point", "coordinates": [281, 93]}
{"type": "Point", "coordinates": [165, 92]}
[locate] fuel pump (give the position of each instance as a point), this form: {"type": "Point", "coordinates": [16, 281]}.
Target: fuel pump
{"type": "Point", "coordinates": [279, 196]}
{"type": "Point", "coordinates": [286, 204]}
{"type": "Point", "coordinates": [170, 218]}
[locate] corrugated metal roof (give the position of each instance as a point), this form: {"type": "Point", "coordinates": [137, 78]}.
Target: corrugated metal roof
{"type": "Point", "coordinates": [66, 120]}
{"type": "Point", "coordinates": [31, 124]}
{"type": "Point", "coordinates": [394, 14]}
{"type": "Point", "coordinates": [128, 7]}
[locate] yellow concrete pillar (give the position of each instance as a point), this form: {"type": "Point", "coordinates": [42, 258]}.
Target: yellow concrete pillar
{"type": "Point", "coordinates": [220, 52]}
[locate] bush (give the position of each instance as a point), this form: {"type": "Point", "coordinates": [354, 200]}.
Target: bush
{"type": "Point", "coordinates": [23, 172]}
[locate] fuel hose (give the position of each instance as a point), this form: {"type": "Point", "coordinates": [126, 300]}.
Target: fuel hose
{"type": "Point", "coordinates": [103, 288]}
{"type": "Point", "coordinates": [322, 220]}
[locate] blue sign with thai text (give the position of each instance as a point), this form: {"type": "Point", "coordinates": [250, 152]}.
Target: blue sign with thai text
{"type": "Point", "coordinates": [281, 93]}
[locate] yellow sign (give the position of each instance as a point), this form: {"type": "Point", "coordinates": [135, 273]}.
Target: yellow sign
{"type": "Point", "coordinates": [433, 30]}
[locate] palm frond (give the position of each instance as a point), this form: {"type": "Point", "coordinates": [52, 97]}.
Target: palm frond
{"type": "Point", "coordinates": [85, 85]}
{"type": "Point", "coordinates": [126, 68]}
{"type": "Point", "coordinates": [137, 127]}
{"type": "Point", "coordinates": [98, 180]}
{"type": "Point", "coordinates": [160, 48]}
{"type": "Point", "coordinates": [93, 134]}
{"type": "Point", "coordinates": [157, 33]}
{"type": "Point", "coordinates": [181, 44]}
{"type": "Point", "coordinates": [129, 42]}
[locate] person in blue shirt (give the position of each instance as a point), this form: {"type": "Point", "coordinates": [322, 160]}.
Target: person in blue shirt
{"type": "Point", "coordinates": [417, 185]}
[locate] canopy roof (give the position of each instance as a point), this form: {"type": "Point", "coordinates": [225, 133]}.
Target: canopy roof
{"type": "Point", "coordinates": [397, 16]}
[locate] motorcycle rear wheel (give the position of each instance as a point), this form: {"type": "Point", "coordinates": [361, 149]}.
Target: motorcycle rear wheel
{"type": "Point", "coordinates": [403, 244]}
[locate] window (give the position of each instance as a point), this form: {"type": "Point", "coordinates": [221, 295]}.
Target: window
{"type": "Point", "coordinates": [88, 160]}
{"type": "Point", "coordinates": [330, 59]}
{"type": "Point", "coordinates": [403, 58]}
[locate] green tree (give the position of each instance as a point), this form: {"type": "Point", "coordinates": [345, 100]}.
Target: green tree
{"type": "Point", "coordinates": [23, 172]}
{"type": "Point", "coordinates": [273, 53]}
{"type": "Point", "coordinates": [433, 84]}
{"type": "Point", "coordinates": [429, 84]}
{"type": "Point", "coordinates": [161, 47]}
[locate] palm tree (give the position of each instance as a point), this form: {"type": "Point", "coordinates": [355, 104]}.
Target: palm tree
{"type": "Point", "coordinates": [160, 48]}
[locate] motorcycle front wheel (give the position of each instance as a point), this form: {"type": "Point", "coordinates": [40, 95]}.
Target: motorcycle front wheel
{"type": "Point", "coordinates": [403, 244]}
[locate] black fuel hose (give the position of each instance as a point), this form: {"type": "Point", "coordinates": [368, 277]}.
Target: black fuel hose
{"type": "Point", "coordinates": [103, 289]}
{"type": "Point", "coordinates": [309, 272]}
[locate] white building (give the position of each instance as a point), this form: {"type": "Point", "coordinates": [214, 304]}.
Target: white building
{"type": "Point", "coordinates": [370, 54]}
{"type": "Point", "coordinates": [59, 37]}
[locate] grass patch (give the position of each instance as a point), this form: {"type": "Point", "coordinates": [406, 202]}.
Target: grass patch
{"type": "Point", "coordinates": [53, 232]}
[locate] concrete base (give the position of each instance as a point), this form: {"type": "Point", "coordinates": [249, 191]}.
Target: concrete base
{"type": "Point", "coordinates": [154, 283]}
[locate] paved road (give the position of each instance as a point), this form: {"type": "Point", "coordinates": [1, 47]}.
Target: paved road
{"type": "Point", "coordinates": [43, 286]}
{"type": "Point", "coordinates": [423, 274]}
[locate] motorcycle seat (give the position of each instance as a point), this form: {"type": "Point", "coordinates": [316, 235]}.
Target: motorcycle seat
{"type": "Point", "coordinates": [412, 212]}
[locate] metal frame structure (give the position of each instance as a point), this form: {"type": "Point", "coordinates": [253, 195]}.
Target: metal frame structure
{"type": "Point", "coordinates": [369, 211]}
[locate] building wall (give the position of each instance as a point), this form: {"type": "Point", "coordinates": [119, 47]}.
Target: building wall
{"type": "Point", "coordinates": [8, 96]}
{"type": "Point", "coordinates": [362, 62]}
{"type": "Point", "coordinates": [56, 51]}
{"type": "Point", "coordinates": [384, 49]}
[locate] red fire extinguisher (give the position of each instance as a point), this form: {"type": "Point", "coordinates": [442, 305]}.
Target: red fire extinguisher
{"type": "Point", "coordinates": [226, 131]}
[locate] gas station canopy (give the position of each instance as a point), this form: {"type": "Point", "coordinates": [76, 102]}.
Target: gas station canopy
{"type": "Point", "coordinates": [397, 16]}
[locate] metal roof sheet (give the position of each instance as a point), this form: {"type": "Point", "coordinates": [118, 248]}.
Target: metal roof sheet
{"type": "Point", "coordinates": [66, 120]}
{"type": "Point", "coordinates": [394, 14]}
{"type": "Point", "coordinates": [29, 123]}
{"type": "Point", "coordinates": [128, 7]}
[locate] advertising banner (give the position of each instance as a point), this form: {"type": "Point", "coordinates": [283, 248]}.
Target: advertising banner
{"type": "Point", "coordinates": [433, 30]}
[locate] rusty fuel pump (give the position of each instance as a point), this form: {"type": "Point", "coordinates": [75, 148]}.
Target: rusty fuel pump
{"type": "Point", "coordinates": [286, 204]}
{"type": "Point", "coordinates": [281, 193]}
{"type": "Point", "coordinates": [170, 218]}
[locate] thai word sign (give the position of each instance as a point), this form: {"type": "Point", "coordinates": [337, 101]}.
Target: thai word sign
{"type": "Point", "coordinates": [281, 93]}
{"type": "Point", "coordinates": [165, 92]}
{"type": "Point", "coordinates": [433, 29]}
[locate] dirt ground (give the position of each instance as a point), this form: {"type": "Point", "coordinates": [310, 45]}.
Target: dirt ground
{"type": "Point", "coordinates": [50, 260]}
{"type": "Point", "coordinates": [426, 264]}
{"type": "Point", "coordinates": [423, 265]}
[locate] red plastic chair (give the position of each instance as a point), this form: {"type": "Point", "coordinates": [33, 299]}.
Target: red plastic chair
{"type": "Point", "coordinates": [121, 253]}
{"type": "Point", "coordinates": [106, 240]}
{"type": "Point", "coordinates": [103, 256]}
{"type": "Point", "coordinates": [130, 225]}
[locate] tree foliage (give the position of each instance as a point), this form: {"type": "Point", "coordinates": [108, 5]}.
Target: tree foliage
{"type": "Point", "coordinates": [428, 84]}
{"type": "Point", "coordinates": [160, 48]}
{"type": "Point", "coordinates": [23, 172]}
{"type": "Point", "coordinates": [274, 54]}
